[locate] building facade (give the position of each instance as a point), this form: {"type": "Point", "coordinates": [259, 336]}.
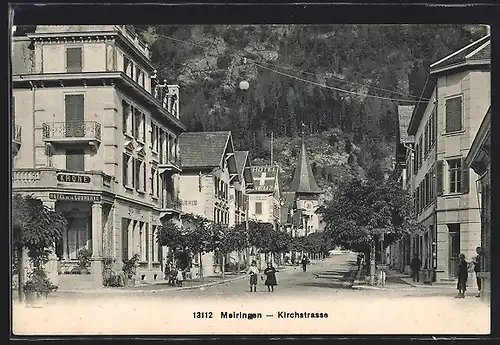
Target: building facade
{"type": "Point", "coordinates": [264, 200]}
{"type": "Point", "coordinates": [445, 196]}
{"type": "Point", "coordinates": [100, 141]}
{"type": "Point", "coordinates": [209, 171]}
{"type": "Point", "coordinates": [479, 160]}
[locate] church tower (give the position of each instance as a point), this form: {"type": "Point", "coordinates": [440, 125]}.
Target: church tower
{"type": "Point", "coordinates": [307, 192]}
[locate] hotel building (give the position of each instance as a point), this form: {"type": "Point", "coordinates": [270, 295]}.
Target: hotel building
{"type": "Point", "coordinates": [99, 141]}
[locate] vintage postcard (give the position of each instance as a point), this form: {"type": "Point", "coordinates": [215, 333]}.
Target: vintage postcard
{"type": "Point", "coordinates": [250, 179]}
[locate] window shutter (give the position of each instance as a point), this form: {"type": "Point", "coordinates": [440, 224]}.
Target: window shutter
{"type": "Point", "coordinates": [133, 172]}
{"type": "Point", "coordinates": [454, 114]}
{"type": "Point", "coordinates": [74, 59]}
{"type": "Point", "coordinates": [465, 178]}
{"type": "Point", "coordinates": [439, 178]}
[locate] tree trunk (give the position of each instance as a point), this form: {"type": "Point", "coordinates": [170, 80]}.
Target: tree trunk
{"type": "Point", "coordinates": [372, 263]}
{"type": "Point", "coordinates": [223, 264]}
{"type": "Point", "coordinates": [20, 276]}
{"type": "Point", "coordinates": [238, 267]}
{"type": "Point", "coordinates": [201, 266]}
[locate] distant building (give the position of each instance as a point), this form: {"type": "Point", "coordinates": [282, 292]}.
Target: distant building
{"type": "Point", "coordinates": [306, 196]}
{"type": "Point", "coordinates": [99, 142]}
{"type": "Point", "coordinates": [265, 197]}
{"type": "Point", "coordinates": [444, 190]}
{"type": "Point", "coordinates": [400, 253]}
{"type": "Point", "coordinates": [209, 169]}
{"type": "Point", "coordinates": [479, 160]}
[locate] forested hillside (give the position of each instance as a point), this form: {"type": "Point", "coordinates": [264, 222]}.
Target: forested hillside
{"type": "Point", "coordinates": [345, 131]}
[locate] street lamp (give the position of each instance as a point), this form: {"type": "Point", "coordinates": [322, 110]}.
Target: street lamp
{"type": "Point", "coordinates": [244, 85]}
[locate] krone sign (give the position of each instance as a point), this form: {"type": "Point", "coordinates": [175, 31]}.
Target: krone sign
{"type": "Point", "coordinates": [72, 178]}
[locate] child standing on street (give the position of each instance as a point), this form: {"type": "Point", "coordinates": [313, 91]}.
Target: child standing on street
{"type": "Point", "coordinates": [180, 277]}
{"type": "Point", "coordinates": [462, 275]}
{"type": "Point", "coordinates": [253, 271]}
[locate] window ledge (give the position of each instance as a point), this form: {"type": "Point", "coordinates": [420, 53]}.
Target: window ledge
{"type": "Point", "coordinates": [140, 191]}
{"type": "Point", "coordinates": [154, 197]}
{"type": "Point", "coordinates": [129, 136]}
{"type": "Point", "coordinates": [452, 195]}
{"type": "Point", "coordinates": [155, 153]}
{"type": "Point", "coordinates": [141, 142]}
{"type": "Point", "coordinates": [130, 189]}
{"type": "Point", "coordinates": [453, 133]}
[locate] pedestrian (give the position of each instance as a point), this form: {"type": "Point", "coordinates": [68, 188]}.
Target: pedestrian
{"type": "Point", "coordinates": [462, 275]}
{"type": "Point", "coordinates": [172, 276]}
{"type": "Point", "coordinates": [477, 269]}
{"type": "Point", "coordinates": [305, 261]}
{"type": "Point", "coordinates": [180, 277]}
{"type": "Point", "coordinates": [253, 271]}
{"type": "Point", "coordinates": [270, 273]}
{"type": "Point", "coordinates": [415, 266]}
{"type": "Point", "coordinates": [358, 261]}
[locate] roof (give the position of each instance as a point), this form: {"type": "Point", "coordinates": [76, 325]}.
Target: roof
{"type": "Point", "coordinates": [303, 179]}
{"type": "Point", "coordinates": [241, 159]}
{"type": "Point", "coordinates": [242, 162]}
{"type": "Point", "coordinates": [476, 51]}
{"type": "Point", "coordinates": [203, 149]}
{"type": "Point", "coordinates": [265, 178]}
{"type": "Point", "coordinates": [480, 149]}
{"type": "Point", "coordinates": [419, 110]}
{"type": "Point", "coordinates": [404, 117]}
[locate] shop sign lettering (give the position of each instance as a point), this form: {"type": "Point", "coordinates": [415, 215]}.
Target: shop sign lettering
{"type": "Point", "coordinates": [74, 197]}
{"type": "Point", "coordinates": [71, 178]}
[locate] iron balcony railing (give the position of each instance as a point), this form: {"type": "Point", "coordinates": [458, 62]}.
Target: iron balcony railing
{"type": "Point", "coordinates": [75, 129]}
{"type": "Point", "coordinates": [16, 133]}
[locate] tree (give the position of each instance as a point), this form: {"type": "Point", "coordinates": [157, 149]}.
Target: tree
{"type": "Point", "coordinates": [237, 239]}
{"type": "Point", "coordinates": [281, 242]}
{"type": "Point", "coordinates": [199, 239]}
{"type": "Point", "coordinates": [35, 228]}
{"type": "Point", "coordinates": [362, 211]}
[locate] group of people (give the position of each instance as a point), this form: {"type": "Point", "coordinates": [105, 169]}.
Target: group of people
{"type": "Point", "coordinates": [175, 276]}
{"type": "Point", "coordinates": [463, 270]}
{"type": "Point", "coordinates": [270, 273]}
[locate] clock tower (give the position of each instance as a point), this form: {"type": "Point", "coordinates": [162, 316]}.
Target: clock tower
{"type": "Point", "coordinates": [306, 198]}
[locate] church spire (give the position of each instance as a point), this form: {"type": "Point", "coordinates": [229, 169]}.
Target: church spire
{"type": "Point", "coordinates": [303, 179]}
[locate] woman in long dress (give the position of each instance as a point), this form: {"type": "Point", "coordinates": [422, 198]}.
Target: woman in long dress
{"type": "Point", "coordinates": [270, 273]}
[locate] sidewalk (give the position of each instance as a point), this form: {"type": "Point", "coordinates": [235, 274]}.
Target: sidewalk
{"type": "Point", "coordinates": [162, 285]}
{"type": "Point", "coordinates": [394, 281]}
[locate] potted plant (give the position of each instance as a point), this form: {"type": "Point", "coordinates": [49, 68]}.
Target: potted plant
{"type": "Point", "coordinates": [129, 269]}
{"type": "Point", "coordinates": [84, 262]}
{"type": "Point", "coordinates": [37, 286]}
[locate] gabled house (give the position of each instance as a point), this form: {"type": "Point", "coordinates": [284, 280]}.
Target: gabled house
{"type": "Point", "coordinates": [265, 197]}
{"type": "Point", "coordinates": [209, 169]}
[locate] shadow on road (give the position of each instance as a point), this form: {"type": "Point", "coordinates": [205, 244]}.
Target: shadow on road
{"type": "Point", "coordinates": [331, 279]}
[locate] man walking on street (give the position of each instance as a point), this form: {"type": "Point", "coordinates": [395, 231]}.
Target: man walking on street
{"type": "Point", "coordinates": [477, 269]}
{"type": "Point", "coordinates": [416, 264]}
{"type": "Point", "coordinates": [305, 261]}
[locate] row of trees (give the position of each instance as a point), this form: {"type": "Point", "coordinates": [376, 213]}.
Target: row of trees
{"type": "Point", "coordinates": [197, 236]}
{"type": "Point", "coordinates": [365, 211]}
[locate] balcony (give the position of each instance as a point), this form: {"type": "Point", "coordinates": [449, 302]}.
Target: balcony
{"type": "Point", "coordinates": [43, 179]}
{"type": "Point", "coordinates": [170, 205]}
{"type": "Point", "coordinates": [169, 164]}
{"type": "Point", "coordinates": [16, 138]}
{"type": "Point", "coordinates": [72, 133]}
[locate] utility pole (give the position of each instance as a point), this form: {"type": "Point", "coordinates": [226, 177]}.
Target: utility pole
{"type": "Point", "coordinates": [272, 145]}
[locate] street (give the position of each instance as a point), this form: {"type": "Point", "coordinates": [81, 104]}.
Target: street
{"type": "Point", "coordinates": [324, 288]}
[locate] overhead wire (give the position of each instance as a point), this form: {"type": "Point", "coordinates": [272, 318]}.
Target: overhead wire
{"type": "Point", "coordinates": [418, 100]}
